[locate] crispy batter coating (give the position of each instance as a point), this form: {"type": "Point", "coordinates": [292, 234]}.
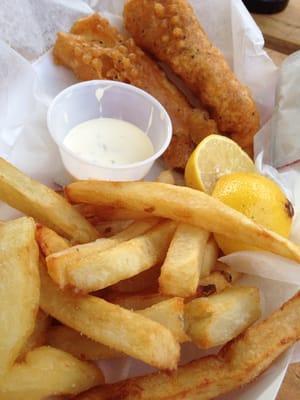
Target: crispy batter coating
{"type": "Point", "coordinates": [170, 30]}
{"type": "Point", "coordinates": [238, 363]}
{"type": "Point", "coordinates": [96, 50]}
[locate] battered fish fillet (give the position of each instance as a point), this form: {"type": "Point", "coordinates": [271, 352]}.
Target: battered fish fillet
{"type": "Point", "coordinates": [169, 29]}
{"type": "Point", "coordinates": [95, 50]}
{"type": "Point", "coordinates": [238, 363]}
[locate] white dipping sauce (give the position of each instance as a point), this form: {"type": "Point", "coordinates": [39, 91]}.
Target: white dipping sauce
{"type": "Point", "coordinates": [109, 141]}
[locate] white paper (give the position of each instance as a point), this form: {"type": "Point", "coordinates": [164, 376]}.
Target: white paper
{"type": "Point", "coordinates": [26, 91]}
{"type": "Point", "coordinates": [280, 136]}
{"type": "Point", "coordinates": [265, 265]}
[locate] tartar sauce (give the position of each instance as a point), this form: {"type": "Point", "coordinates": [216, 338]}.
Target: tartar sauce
{"type": "Point", "coordinates": [109, 141]}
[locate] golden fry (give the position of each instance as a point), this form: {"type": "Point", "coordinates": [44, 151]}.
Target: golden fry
{"type": "Point", "coordinates": [95, 50]}
{"type": "Point", "coordinates": [19, 288]}
{"type": "Point", "coordinates": [99, 270]}
{"type": "Point", "coordinates": [181, 269]}
{"type": "Point", "coordinates": [49, 241]}
{"type": "Point", "coordinates": [217, 281]}
{"type": "Point", "coordinates": [170, 30]}
{"type": "Point", "coordinates": [109, 214]}
{"type": "Point", "coordinates": [184, 205]}
{"type": "Point", "coordinates": [66, 339]}
{"type": "Point", "coordinates": [38, 336]}
{"type": "Point", "coordinates": [166, 176]}
{"type": "Point", "coordinates": [46, 372]}
{"type": "Point", "coordinates": [237, 364]}
{"type": "Point", "coordinates": [107, 323]}
{"type": "Point", "coordinates": [61, 262]}
{"type": "Point", "coordinates": [43, 204]}
{"type": "Point", "coordinates": [217, 319]}
{"type": "Point", "coordinates": [211, 253]}
{"type": "Point", "coordinates": [169, 313]}
{"type": "Point", "coordinates": [108, 229]}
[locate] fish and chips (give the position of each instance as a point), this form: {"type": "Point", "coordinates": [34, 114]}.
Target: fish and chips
{"type": "Point", "coordinates": [107, 270]}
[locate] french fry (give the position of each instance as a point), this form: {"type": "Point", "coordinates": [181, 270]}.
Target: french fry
{"type": "Point", "coordinates": [60, 263]}
{"type": "Point", "coordinates": [137, 228]}
{"type": "Point", "coordinates": [108, 213]}
{"type": "Point", "coordinates": [107, 323]}
{"type": "Point", "coordinates": [102, 269]}
{"type": "Point", "coordinates": [136, 301]}
{"type": "Point", "coordinates": [166, 176]}
{"type": "Point", "coordinates": [38, 336]}
{"type": "Point", "coordinates": [43, 204]}
{"type": "Point", "coordinates": [19, 288]}
{"type": "Point", "coordinates": [217, 281]}
{"type": "Point", "coordinates": [181, 269]}
{"type": "Point", "coordinates": [110, 228]}
{"type": "Point", "coordinates": [146, 280]}
{"type": "Point", "coordinates": [168, 313]}
{"type": "Point", "coordinates": [49, 241]}
{"type": "Point", "coordinates": [171, 177]}
{"type": "Point", "coordinates": [48, 371]}
{"type": "Point", "coordinates": [214, 320]}
{"type": "Point", "coordinates": [237, 364]}
{"type": "Point", "coordinates": [211, 253]}
{"type": "Point", "coordinates": [80, 346]}
{"type": "Point", "coordinates": [184, 205]}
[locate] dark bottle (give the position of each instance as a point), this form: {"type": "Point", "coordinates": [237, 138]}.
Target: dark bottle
{"type": "Point", "coordinates": [265, 6]}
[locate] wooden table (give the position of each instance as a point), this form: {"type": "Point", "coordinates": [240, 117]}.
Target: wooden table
{"type": "Point", "coordinates": [282, 37]}
{"type": "Point", "coordinates": [282, 30]}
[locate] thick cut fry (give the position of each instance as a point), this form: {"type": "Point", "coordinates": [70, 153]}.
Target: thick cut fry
{"type": "Point", "coordinates": [108, 213]}
{"type": "Point", "coordinates": [217, 281]}
{"type": "Point", "coordinates": [38, 336]}
{"type": "Point", "coordinates": [102, 269]}
{"type": "Point", "coordinates": [214, 320]}
{"type": "Point", "coordinates": [166, 176]}
{"type": "Point", "coordinates": [181, 269]}
{"type": "Point", "coordinates": [184, 205]}
{"type": "Point", "coordinates": [80, 346]}
{"type": "Point", "coordinates": [49, 241]}
{"type": "Point", "coordinates": [107, 323]}
{"type": "Point", "coordinates": [135, 229]}
{"type": "Point", "coordinates": [170, 30]}
{"type": "Point", "coordinates": [168, 313]}
{"type": "Point", "coordinates": [19, 288]}
{"type": "Point", "coordinates": [107, 229]}
{"type": "Point", "coordinates": [43, 204]}
{"type": "Point", "coordinates": [238, 363]}
{"type": "Point", "coordinates": [136, 301]}
{"type": "Point", "coordinates": [146, 280]}
{"type": "Point", "coordinates": [95, 50]}
{"type": "Point", "coordinates": [211, 253]}
{"type": "Point", "coordinates": [53, 243]}
{"type": "Point", "coordinates": [46, 372]}
{"type": "Point", "coordinates": [60, 263]}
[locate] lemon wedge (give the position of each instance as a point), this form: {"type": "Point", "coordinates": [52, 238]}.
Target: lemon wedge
{"type": "Point", "coordinates": [257, 197]}
{"type": "Point", "coordinates": [214, 157]}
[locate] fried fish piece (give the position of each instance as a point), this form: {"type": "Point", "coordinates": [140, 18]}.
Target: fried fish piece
{"type": "Point", "coordinates": [95, 50]}
{"type": "Point", "coordinates": [238, 363]}
{"type": "Point", "coordinates": [170, 30]}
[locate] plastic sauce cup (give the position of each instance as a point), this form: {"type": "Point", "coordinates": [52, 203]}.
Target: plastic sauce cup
{"type": "Point", "coordinates": [102, 98]}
